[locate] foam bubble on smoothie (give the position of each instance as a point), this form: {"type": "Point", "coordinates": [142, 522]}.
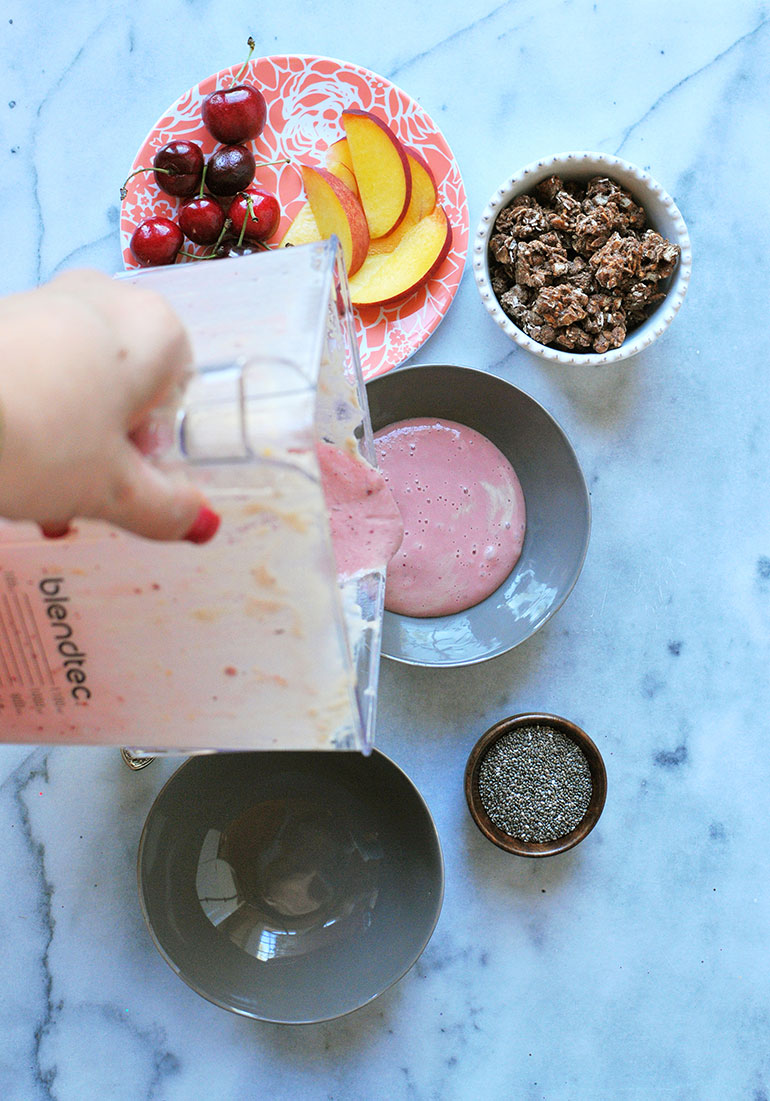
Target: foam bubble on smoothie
{"type": "Point", "coordinates": [463, 511]}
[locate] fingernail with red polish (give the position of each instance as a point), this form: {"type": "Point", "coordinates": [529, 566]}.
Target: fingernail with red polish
{"type": "Point", "coordinates": [54, 531]}
{"type": "Point", "coordinates": [205, 526]}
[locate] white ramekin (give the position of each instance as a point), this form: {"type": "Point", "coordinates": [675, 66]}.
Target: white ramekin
{"type": "Point", "coordinates": [663, 216]}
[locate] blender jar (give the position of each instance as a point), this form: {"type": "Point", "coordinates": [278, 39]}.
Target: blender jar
{"type": "Point", "coordinates": [250, 641]}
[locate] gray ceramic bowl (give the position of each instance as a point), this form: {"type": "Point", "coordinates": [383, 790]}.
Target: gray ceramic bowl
{"type": "Point", "coordinates": [662, 213]}
{"type": "Point", "coordinates": [555, 494]}
{"type": "Point", "coordinates": [290, 887]}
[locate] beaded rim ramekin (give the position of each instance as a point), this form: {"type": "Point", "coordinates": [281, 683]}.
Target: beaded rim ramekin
{"type": "Point", "coordinates": [662, 213]}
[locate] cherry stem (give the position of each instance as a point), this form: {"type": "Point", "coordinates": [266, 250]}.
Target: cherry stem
{"type": "Point", "coordinates": [203, 179]}
{"type": "Point", "coordinates": [255, 220]}
{"type": "Point", "coordinates": [138, 171]}
{"type": "Point", "coordinates": [266, 164]}
{"type": "Point", "coordinates": [262, 244]}
{"type": "Point", "coordinates": [222, 234]}
{"type": "Point", "coordinates": [250, 208]}
{"type": "Point", "coordinates": [251, 44]}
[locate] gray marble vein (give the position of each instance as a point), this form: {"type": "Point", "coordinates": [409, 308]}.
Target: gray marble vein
{"type": "Point", "coordinates": [759, 29]}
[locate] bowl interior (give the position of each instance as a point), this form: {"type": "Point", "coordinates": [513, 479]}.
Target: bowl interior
{"type": "Point", "coordinates": [556, 499]}
{"type": "Point", "coordinates": [662, 216]}
{"type": "Point", "coordinates": [598, 785]}
{"type": "Point", "coordinates": [290, 887]}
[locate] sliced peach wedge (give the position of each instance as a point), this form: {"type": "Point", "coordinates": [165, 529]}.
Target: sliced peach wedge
{"type": "Point", "coordinates": [303, 229]}
{"type": "Point", "coordinates": [387, 276]}
{"type": "Point", "coordinates": [381, 169]}
{"type": "Point", "coordinates": [340, 163]}
{"type": "Point", "coordinates": [422, 202]}
{"type": "Point", "coordinates": [424, 190]}
{"type": "Point", "coordinates": [336, 210]}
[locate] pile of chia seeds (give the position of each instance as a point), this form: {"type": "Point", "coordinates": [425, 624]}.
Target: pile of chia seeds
{"type": "Point", "coordinates": [535, 783]}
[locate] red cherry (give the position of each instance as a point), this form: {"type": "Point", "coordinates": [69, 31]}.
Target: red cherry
{"type": "Point", "coordinates": [156, 241]}
{"type": "Point", "coordinates": [233, 115]}
{"type": "Point", "coordinates": [177, 169]}
{"type": "Point", "coordinates": [202, 220]}
{"type": "Point", "coordinates": [230, 170]}
{"type": "Point", "coordinates": [255, 215]}
{"type": "Point", "coordinates": [229, 247]}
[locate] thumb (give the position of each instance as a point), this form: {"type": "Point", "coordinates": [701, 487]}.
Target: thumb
{"type": "Point", "coordinates": [154, 505]}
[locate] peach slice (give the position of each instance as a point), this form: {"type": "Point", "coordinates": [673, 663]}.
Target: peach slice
{"type": "Point", "coordinates": [304, 229]}
{"type": "Point", "coordinates": [336, 210]}
{"type": "Point", "coordinates": [424, 189]}
{"type": "Point", "coordinates": [422, 202]}
{"type": "Point", "coordinates": [386, 277]}
{"type": "Point", "coordinates": [339, 161]}
{"type": "Point", "coordinates": [381, 168]}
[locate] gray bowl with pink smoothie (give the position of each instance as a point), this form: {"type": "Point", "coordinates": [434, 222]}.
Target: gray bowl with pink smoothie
{"type": "Point", "coordinates": [558, 512]}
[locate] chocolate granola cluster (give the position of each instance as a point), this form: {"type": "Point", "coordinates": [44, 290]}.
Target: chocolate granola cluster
{"type": "Point", "coordinates": [575, 266]}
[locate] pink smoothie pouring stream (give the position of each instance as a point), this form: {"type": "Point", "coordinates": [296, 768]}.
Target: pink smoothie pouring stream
{"type": "Point", "coordinates": [364, 520]}
{"type": "Point", "coordinates": [463, 511]}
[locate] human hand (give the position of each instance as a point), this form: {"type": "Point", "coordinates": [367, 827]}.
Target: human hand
{"type": "Point", "coordinates": [83, 362]}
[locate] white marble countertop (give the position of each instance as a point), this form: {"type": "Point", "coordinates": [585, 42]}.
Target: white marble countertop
{"type": "Point", "coordinates": [637, 965]}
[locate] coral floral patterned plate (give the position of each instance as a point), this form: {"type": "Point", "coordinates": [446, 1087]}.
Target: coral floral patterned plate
{"type": "Point", "coordinates": [305, 97]}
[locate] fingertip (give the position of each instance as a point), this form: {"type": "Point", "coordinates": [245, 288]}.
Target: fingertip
{"type": "Point", "coordinates": [157, 505]}
{"type": "Point", "coordinates": [205, 526]}
{"type": "Point", "coordinates": [55, 531]}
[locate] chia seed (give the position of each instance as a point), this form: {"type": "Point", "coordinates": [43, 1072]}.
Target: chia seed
{"type": "Point", "coordinates": [535, 783]}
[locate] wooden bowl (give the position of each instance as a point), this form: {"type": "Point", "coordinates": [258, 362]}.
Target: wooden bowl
{"type": "Point", "coordinates": [598, 785]}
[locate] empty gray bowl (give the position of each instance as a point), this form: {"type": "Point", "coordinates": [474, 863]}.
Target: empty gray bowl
{"type": "Point", "coordinates": [555, 494]}
{"type": "Point", "coordinates": [289, 886]}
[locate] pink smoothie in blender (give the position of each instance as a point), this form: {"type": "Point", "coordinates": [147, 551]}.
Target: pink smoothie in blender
{"type": "Point", "coordinates": [255, 640]}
